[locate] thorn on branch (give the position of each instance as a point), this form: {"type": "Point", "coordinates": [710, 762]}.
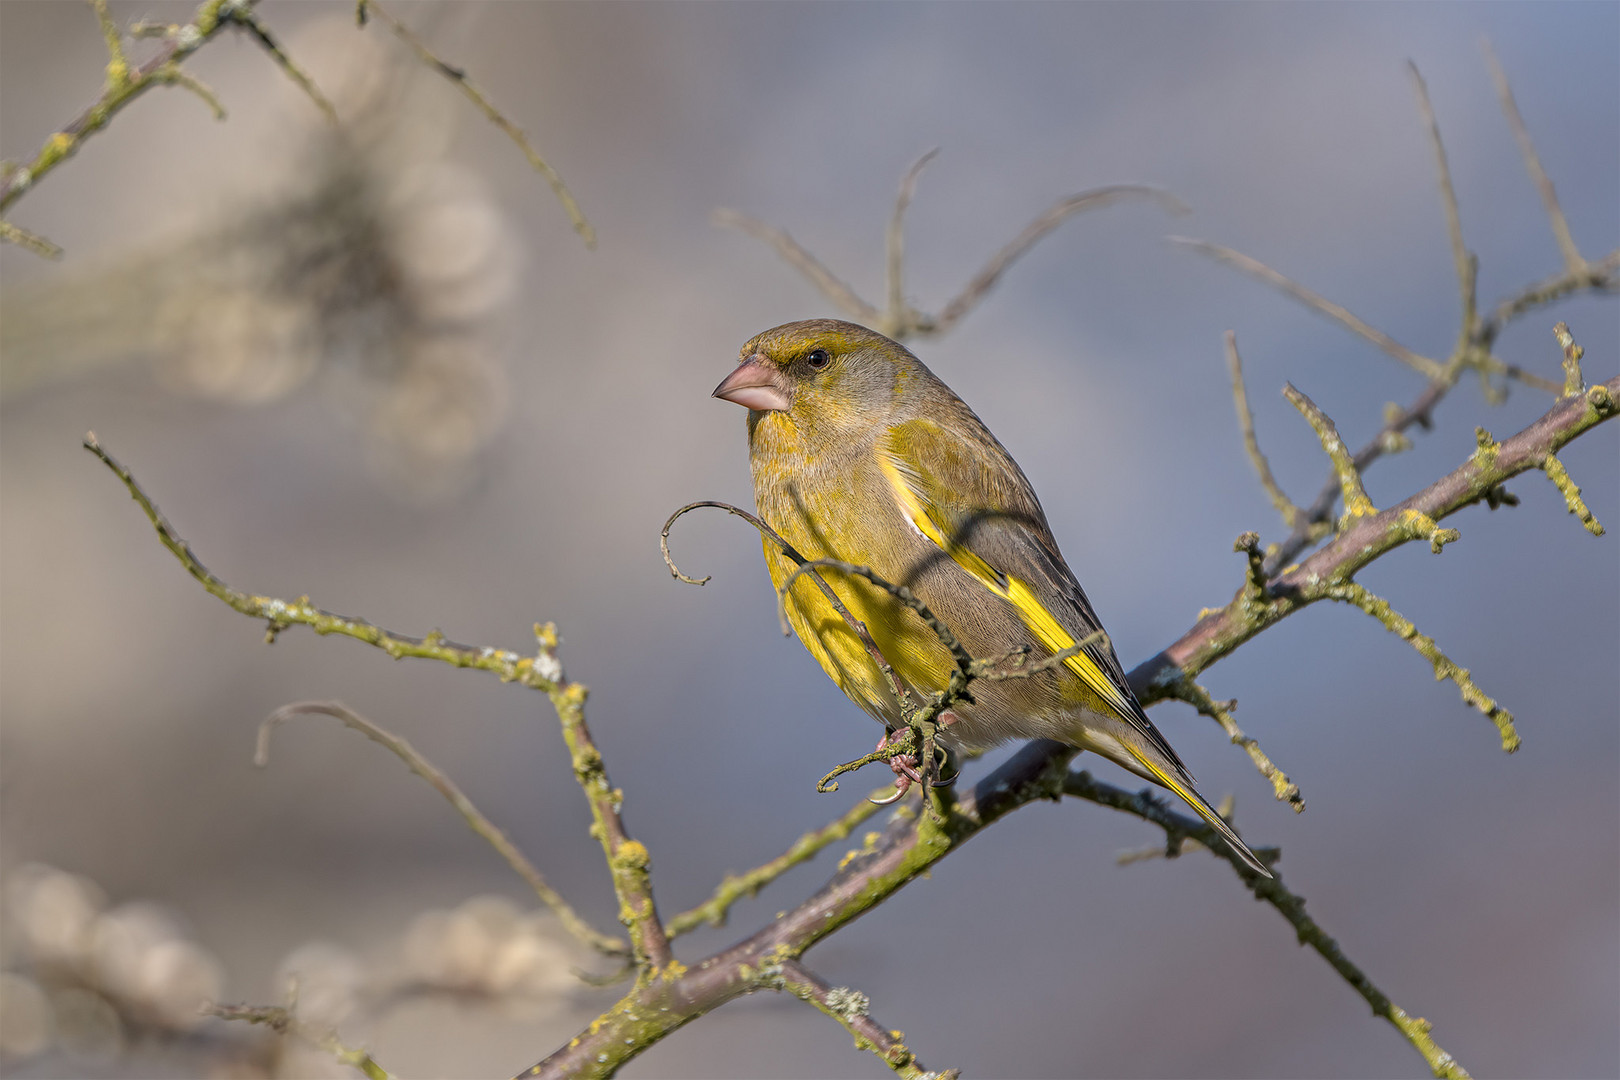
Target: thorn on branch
{"type": "Point", "coordinates": [1574, 382]}
{"type": "Point", "coordinates": [1254, 582]}
{"type": "Point", "coordinates": [1349, 592]}
{"type": "Point", "coordinates": [1356, 503]}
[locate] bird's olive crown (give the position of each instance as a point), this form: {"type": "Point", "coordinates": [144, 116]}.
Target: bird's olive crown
{"type": "Point", "coordinates": [833, 365]}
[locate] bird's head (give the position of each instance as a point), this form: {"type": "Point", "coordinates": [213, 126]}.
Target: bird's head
{"type": "Point", "coordinates": [824, 376]}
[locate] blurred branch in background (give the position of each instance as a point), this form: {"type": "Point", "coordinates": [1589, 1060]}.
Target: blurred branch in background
{"type": "Point", "coordinates": [375, 268]}
{"type": "Point", "coordinates": [898, 319]}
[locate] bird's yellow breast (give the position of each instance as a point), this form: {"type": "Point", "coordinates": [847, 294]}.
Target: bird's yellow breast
{"type": "Point", "coordinates": [852, 519]}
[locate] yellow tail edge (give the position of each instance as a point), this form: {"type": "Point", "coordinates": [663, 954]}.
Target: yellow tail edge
{"type": "Point", "coordinates": [1205, 811]}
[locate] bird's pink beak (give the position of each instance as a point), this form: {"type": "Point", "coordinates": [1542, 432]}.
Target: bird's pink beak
{"type": "Point", "coordinates": [756, 384]}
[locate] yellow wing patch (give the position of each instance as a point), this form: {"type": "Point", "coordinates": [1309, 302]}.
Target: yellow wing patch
{"type": "Point", "coordinates": [1033, 613]}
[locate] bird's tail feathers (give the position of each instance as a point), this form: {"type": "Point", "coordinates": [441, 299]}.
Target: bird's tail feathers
{"type": "Point", "coordinates": [1205, 811]}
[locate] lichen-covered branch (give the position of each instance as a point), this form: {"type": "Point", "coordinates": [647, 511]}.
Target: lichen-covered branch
{"type": "Point", "coordinates": [1367, 538]}
{"type": "Point", "coordinates": [735, 887]}
{"type": "Point", "coordinates": [628, 859]}
{"type": "Point", "coordinates": [1272, 890]}
{"type": "Point", "coordinates": [850, 1008]}
{"type": "Point", "coordinates": [491, 833]}
{"type": "Point", "coordinates": [123, 86]}
{"type": "Point", "coordinates": [1199, 698]}
{"type": "Point", "coordinates": [1350, 592]}
{"type": "Point", "coordinates": [1476, 335]}
{"type": "Point", "coordinates": [1351, 491]}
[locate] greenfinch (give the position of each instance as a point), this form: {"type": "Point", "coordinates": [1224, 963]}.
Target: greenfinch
{"type": "Point", "coordinates": [860, 454]}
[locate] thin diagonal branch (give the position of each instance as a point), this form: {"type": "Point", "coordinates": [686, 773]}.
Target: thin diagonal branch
{"type": "Point", "coordinates": [1353, 494]}
{"type": "Point", "coordinates": [850, 1008]}
{"type": "Point", "coordinates": [1292, 515]}
{"type": "Point", "coordinates": [895, 242]}
{"type": "Point", "coordinates": [1349, 592]}
{"type": "Point", "coordinates": [899, 320]}
{"type": "Point", "coordinates": [244, 17]}
{"type": "Point", "coordinates": [628, 859]}
{"type": "Point", "coordinates": [1290, 905]}
{"type": "Point", "coordinates": [793, 253]}
{"type": "Point", "coordinates": [473, 94]}
{"type": "Point", "coordinates": [488, 830]}
{"type": "Point", "coordinates": [1573, 261]}
{"type": "Point", "coordinates": [1033, 233]}
{"type": "Point", "coordinates": [1258, 270]}
{"type": "Point", "coordinates": [735, 887]}
{"type": "Point", "coordinates": [1467, 268]}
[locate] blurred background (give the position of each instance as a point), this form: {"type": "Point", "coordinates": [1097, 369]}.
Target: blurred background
{"type": "Point", "coordinates": [377, 367]}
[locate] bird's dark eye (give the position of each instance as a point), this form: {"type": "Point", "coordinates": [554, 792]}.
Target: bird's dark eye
{"type": "Point", "coordinates": [818, 358]}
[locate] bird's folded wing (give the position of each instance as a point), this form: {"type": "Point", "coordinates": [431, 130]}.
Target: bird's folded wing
{"type": "Point", "coordinates": [964, 493]}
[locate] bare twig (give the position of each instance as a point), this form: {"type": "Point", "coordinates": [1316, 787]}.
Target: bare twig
{"type": "Point", "coordinates": [458, 76]}
{"type": "Point", "coordinates": [896, 314]}
{"type": "Point", "coordinates": [243, 16]}
{"type": "Point", "coordinates": [899, 320]}
{"type": "Point", "coordinates": [1466, 266]}
{"type": "Point", "coordinates": [1292, 515]}
{"type": "Point", "coordinates": [1573, 262]}
{"type": "Point", "coordinates": [1272, 890]}
{"type": "Point", "coordinates": [735, 887]}
{"type": "Point", "coordinates": [1199, 698]}
{"type": "Point", "coordinates": [797, 256]}
{"type": "Point", "coordinates": [628, 859]}
{"type": "Point", "coordinates": [902, 692]}
{"type": "Point", "coordinates": [1258, 270]}
{"type": "Point", "coordinates": [421, 766]}
{"type": "Point", "coordinates": [1033, 233]}
{"type": "Point", "coordinates": [281, 1019]}
{"type": "Point", "coordinates": [1349, 592]}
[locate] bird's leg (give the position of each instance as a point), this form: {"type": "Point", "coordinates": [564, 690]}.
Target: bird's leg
{"type": "Point", "coordinates": [905, 771]}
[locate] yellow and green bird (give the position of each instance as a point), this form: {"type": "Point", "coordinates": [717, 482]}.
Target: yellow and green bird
{"type": "Point", "coordinates": [861, 454]}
